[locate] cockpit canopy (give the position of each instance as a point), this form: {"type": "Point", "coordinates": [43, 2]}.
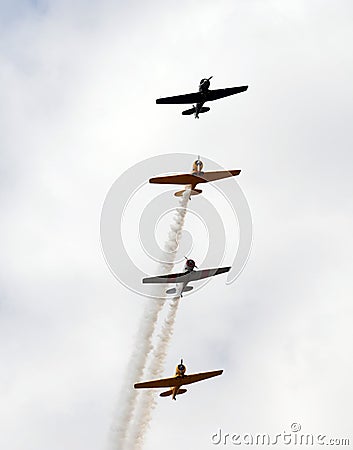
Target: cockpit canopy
{"type": "Point", "coordinates": [204, 84]}
{"type": "Point", "coordinates": [197, 166]}
{"type": "Point", "coordinates": [190, 264]}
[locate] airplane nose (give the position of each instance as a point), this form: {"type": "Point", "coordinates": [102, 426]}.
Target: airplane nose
{"type": "Point", "coordinates": [190, 263]}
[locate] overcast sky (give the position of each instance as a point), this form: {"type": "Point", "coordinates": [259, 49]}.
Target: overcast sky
{"type": "Point", "coordinates": [78, 90]}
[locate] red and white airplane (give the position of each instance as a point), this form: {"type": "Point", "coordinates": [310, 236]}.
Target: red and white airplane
{"type": "Point", "coordinates": [174, 383]}
{"type": "Point", "coordinates": [185, 277]}
{"type": "Point", "coordinates": [190, 180]}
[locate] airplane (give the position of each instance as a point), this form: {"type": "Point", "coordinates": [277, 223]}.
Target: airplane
{"type": "Point", "coordinates": [205, 94]}
{"type": "Point", "coordinates": [180, 379]}
{"type": "Point", "coordinates": [185, 277]}
{"type": "Point", "coordinates": [190, 180]}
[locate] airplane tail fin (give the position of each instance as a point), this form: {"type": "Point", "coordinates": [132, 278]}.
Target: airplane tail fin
{"type": "Point", "coordinates": [204, 109]}
{"type": "Point", "coordinates": [181, 391]}
{"type": "Point", "coordinates": [170, 392]}
{"type": "Point", "coordinates": [193, 192]}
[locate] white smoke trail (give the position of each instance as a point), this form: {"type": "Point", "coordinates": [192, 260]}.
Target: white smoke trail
{"type": "Point", "coordinates": [143, 345]}
{"type": "Point", "coordinates": [148, 399]}
{"type": "Point", "coordinates": [135, 369]}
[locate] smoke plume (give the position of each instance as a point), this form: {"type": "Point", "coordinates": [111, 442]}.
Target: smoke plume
{"type": "Point", "coordinates": [155, 370]}
{"type": "Point", "coordinates": [122, 433]}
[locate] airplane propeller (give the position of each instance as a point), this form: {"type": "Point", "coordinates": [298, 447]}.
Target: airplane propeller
{"type": "Point", "coordinates": [194, 261]}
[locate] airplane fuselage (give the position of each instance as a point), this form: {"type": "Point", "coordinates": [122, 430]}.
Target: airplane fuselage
{"type": "Point", "coordinates": [175, 390]}
{"type": "Point", "coordinates": [203, 89]}
{"type": "Point", "coordinates": [179, 373]}
{"type": "Point", "coordinates": [183, 289]}
{"type": "Point", "coordinates": [196, 171]}
{"type": "Point", "coordinates": [189, 267]}
{"type": "Point", "coordinates": [198, 108]}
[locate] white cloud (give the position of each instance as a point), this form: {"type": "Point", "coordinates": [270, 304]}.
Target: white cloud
{"type": "Point", "coordinates": [78, 84]}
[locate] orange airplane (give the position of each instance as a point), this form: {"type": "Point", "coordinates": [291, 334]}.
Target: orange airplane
{"type": "Point", "coordinates": [179, 379]}
{"type": "Point", "coordinates": [190, 180]}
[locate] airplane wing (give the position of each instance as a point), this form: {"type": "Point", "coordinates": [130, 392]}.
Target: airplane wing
{"type": "Point", "coordinates": [206, 273]}
{"type": "Point", "coordinates": [162, 383]}
{"type": "Point", "coordinates": [218, 175]}
{"type": "Point", "coordinates": [177, 381]}
{"type": "Point", "coordinates": [194, 378]}
{"type": "Point", "coordinates": [189, 178]}
{"type": "Point", "coordinates": [171, 278]}
{"type": "Point", "coordinates": [195, 97]}
{"type": "Point", "coordinates": [215, 94]}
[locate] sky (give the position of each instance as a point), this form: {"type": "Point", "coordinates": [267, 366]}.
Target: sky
{"type": "Point", "coordinates": [78, 88]}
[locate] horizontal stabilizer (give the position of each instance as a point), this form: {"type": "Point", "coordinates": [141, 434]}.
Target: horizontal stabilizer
{"type": "Point", "coordinates": [188, 112]}
{"type": "Point", "coordinates": [171, 291]}
{"type": "Point", "coordinates": [188, 288]}
{"type": "Point", "coordinates": [166, 393]}
{"type": "Point", "coordinates": [192, 192]}
{"type": "Point", "coordinates": [182, 391]}
{"type": "Point", "coordinates": [170, 392]}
